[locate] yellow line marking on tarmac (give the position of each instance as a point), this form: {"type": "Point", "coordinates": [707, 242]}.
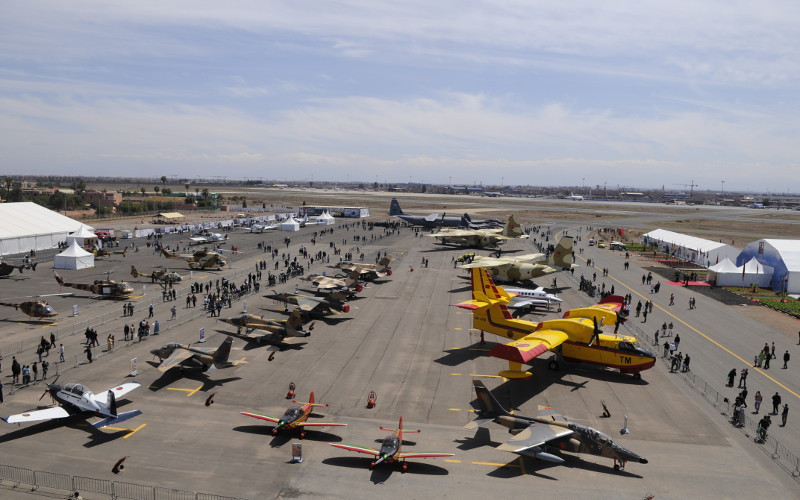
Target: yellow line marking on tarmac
{"type": "Point", "coordinates": [235, 363]}
{"type": "Point", "coordinates": [130, 433]}
{"type": "Point", "coordinates": [459, 329]}
{"type": "Point", "coordinates": [192, 393]}
{"type": "Point", "coordinates": [472, 330]}
{"type": "Point", "coordinates": [459, 409]}
{"type": "Point", "coordinates": [452, 461]}
{"type": "Point", "coordinates": [495, 464]}
{"type": "Point", "coordinates": [455, 409]}
{"type": "Point", "coordinates": [489, 376]}
{"type": "Point", "coordinates": [134, 296]}
{"type": "Point", "coordinates": [456, 374]}
{"type": "Point", "coordinates": [690, 327]}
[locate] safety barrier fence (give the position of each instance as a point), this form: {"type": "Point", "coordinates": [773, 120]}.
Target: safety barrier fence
{"type": "Point", "coordinates": [36, 479]}
{"type": "Point", "coordinates": [781, 455]}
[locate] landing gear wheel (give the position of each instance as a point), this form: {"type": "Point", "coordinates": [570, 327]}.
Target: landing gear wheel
{"type": "Point", "coordinates": [553, 365]}
{"type": "Point", "coordinates": [637, 376]}
{"type": "Point", "coordinates": [404, 467]}
{"type": "Point", "coordinates": [371, 465]}
{"type": "Point", "coordinates": [616, 467]}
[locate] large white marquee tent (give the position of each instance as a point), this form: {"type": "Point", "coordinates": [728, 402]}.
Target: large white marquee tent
{"type": "Point", "coordinates": [698, 250]}
{"type": "Point", "coordinates": [26, 226]}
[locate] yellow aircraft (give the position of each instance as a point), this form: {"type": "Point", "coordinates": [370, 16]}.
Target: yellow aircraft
{"type": "Point", "coordinates": [576, 337]}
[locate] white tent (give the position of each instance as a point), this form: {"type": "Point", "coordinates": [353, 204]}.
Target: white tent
{"type": "Point", "coordinates": [74, 257]}
{"type": "Point", "coordinates": [726, 273]}
{"type": "Point", "coordinates": [26, 226]}
{"type": "Point", "coordinates": [782, 255]}
{"type": "Point", "coordinates": [290, 224]}
{"type": "Point", "coordinates": [84, 236]}
{"type": "Point", "coordinates": [326, 219]}
{"type": "Point", "coordinates": [698, 250]}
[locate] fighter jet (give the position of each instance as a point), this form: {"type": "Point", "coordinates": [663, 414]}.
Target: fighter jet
{"type": "Point", "coordinates": [185, 356]}
{"type": "Point", "coordinates": [201, 259]}
{"type": "Point", "coordinates": [480, 238]}
{"type": "Point", "coordinates": [368, 272]}
{"type": "Point", "coordinates": [295, 417]}
{"type": "Point", "coordinates": [391, 449]}
{"type": "Point", "coordinates": [533, 435]}
{"type": "Point", "coordinates": [268, 331]}
{"type": "Point", "coordinates": [526, 267]}
{"type": "Point", "coordinates": [325, 283]}
{"type": "Point", "coordinates": [162, 275]}
{"type": "Point", "coordinates": [35, 308]}
{"type": "Point", "coordinates": [76, 399]}
{"type": "Point", "coordinates": [312, 307]}
{"type": "Point", "coordinates": [102, 288]}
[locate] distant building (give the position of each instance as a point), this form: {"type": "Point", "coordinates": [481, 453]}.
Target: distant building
{"type": "Point", "coordinates": [103, 199]}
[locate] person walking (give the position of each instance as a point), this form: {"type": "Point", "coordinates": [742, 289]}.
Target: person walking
{"type": "Point", "coordinates": [88, 352]}
{"type": "Point", "coordinates": [743, 378]}
{"type": "Point", "coordinates": [757, 404]}
{"type": "Point", "coordinates": [1, 390]}
{"type": "Point", "coordinates": [156, 328]}
{"type": "Point", "coordinates": [776, 403]}
{"type": "Point", "coordinates": [672, 299]}
{"type": "Point", "coordinates": [786, 357]}
{"type": "Point", "coordinates": [174, 312]}
{"type": "Point", "coordinates": [732, 377]}
{"type": "Point", "coordinates": [126, 331]}
{"type": "Point", "coordinates": [677, 341]}
{"type": "Point", "coordinates": [61, 353]}
{"type": "Point", "coordinates": [784, 414]}
{"type": "Point", "coordinates": [151, 309]}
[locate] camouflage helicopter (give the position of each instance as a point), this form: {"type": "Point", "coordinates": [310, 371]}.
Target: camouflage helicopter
{"type": "Point", "coordinates": [162, 275]}
{"type": "Point", "coordinates": [102, 252]}
{"type": "Point", "coordinates": [102, 288]}
{"type": "Point", "coordinates": [35, 308]}
{"type": "Point", "coordinates": [201, 259]}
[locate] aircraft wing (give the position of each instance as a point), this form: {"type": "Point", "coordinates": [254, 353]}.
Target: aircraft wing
{"type": "Point", "coordinates": [425, 454]}
{"type": "Point", "coordinates": [33, 416]}
{"type": "Point", "coordinates": [486, 262]}
{"type": "Point", "coordinates": [530, 346]}
{"type": "Point", "coordinates": [118, 391]}
{"type": "Point", "coordinates": [548, 413]}
{"type": "Point", "coordinates": [454, 233]}
{"type": "Point", "coordinates": [260, 416]}
{"type": "Point", "coordinates": [309, 304]}
{"type": "Point", "coordinates": [199, 239]}
{"type": "Point", "coordinates": [320, 424]}
{"type": "Point", "coordinates": [534, 436]}
{"type": "Point", "coordinates": [522, 302]}
{"type": "Point", "coordinates": [177, 356]}
{"type": "Point", "coordinates": [358, 449]}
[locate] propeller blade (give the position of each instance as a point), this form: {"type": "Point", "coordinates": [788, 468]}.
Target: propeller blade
{"type": "Point", "coordinates": [45, 392]}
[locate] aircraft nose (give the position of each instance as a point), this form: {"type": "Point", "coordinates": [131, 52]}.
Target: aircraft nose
{"type": "Point", "coordinates": [642, 460]}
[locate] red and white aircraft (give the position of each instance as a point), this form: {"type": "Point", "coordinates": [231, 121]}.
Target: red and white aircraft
{"type": "Point", "coordinates": [296, 417]}
{"type": "Point", "coordinates": [391, 449]}
{"type": "Point", "coordinates": [76, 399]}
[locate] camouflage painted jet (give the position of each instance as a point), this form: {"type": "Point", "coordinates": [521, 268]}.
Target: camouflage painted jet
{"type": "Point", "coordinates": [268, 331]}
{"type": "Point", "coordinates": [295, 417]}
{"type": "Point", "coordinates": [533, 435]}
{"type": "Point", "coordinates": [526, 267]}
{"type": "Point", "coordinates": [324, 283]}
{"type": "Point", "coordinates": [76, 399]}
{"type": "Point", "coordinates": [368, 272]}
{"type": "Point", "coordinates": [162, 275]}
{"type": "Point", "coordinates": [103, 288]}
{"type": "Point", "coordinates": [313, 307]}
{"type": "Point", "coordinates": [391, 449]}
{"type": "Point", "coordinates": [480, 238]}
{"type": "Point", "coordinates": [201, 259]}
{"type": "Point", "coordinates": [576, 337]}
{"type": "Point", "coordinates": [185, 356]}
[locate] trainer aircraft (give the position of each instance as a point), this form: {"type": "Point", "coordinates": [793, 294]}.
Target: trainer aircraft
{"type": "Point", "coordinates": [295, 417]}
{"type": "Point", "coordinates": [76, 399]}
{"type": "Point", "coordinates": [533, 436]}
{"type": "Point", "coordinates": [185, 356]}
{"type": "Point", "coordinates": [575, 337]}
{"type": "Point", "coordinates": [391, 449]}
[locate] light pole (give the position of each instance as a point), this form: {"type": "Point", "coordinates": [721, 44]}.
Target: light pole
{"type": "Point", "coordinates": [722, 192]}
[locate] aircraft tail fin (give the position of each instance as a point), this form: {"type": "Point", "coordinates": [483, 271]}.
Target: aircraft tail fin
{"type": "Point", "coordinates": [166, 253]}
{"type": "Point", "coordinates": [400, 429]}
{"type": "Point", "coordinates": [562, 256]}
{"type": "Point", "coordinates": [467, 217]}
{"type": "Point", "coordinates": [111, 404]}
{"type": "Point", "coordinates": [222, 353]}
{"type": "Point", "coordinates": [394, 208]}
{"type": "Point", "coordinates": [487, 403]}
{"type": "Point", "coordinates": [512, 229]}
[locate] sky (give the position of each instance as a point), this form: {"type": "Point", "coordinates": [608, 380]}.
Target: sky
{"type": "Point", "coordinates": [623, 94]}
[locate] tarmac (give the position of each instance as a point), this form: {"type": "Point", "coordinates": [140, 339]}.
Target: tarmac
{"type": "Point", "coordinates": [404, 340]}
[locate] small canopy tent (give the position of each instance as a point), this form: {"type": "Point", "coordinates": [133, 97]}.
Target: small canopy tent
{"type": "Point", "coordinates": [726, 273]}
{"type": "Point", "coordinates": [290, 224]}
{"type": "Point", "coordinates": [782, 255]}
{"type": "Point", "coordinates": [326, 219]}
{"type": "Point", "coordinates": [84, 236]}
{"type": "Point", "coordinates": [74, 257]}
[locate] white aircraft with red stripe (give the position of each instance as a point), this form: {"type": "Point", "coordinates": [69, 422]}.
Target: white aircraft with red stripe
{"type": "Point", "coordinates": [391, 449]}
{"type": "Point", "coordinates": [76, 399]}
{"type": "Point", "coordinates": [296, 417]}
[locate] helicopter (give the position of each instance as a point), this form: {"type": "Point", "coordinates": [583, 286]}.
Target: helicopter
{"type": "Point", "coordinates": [162, 275]}
{"type": "Point", "coordinates": [103, 288]}
{"type": "Point", "coordinates": [200, 259]}
{"type": "Point", "coordinates": [35, 308]}
{"type": "Point", "coordinates": [102, 252]}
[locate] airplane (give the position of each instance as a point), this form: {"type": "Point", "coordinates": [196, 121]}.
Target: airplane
{"type": "Point", "coordinates": [368, 272]}
{"type": "Point", "coordinates": [76, 399]}
{"type": "Point", "coordinates": [207, 238]}
{"type": "Point", "coordinates": [391, 449]}
{"type": "Point", "coordinates": [524, 301]}
{"type": "Point", "coordinates": [526, 267]}
{"type": "Point", "coordinates": [103, 288]}
{"type": "Point", "coordinates": [432, 220]}
{"type": "Point", "coordinates": [574, 197]}
{"type": "Point", "coordinates": [102, 252]}
{"type": "Point", "coordinates": [480, 238]}
{"type": "Point", "coordinates": [260, 228]}
{"type": "Point", "coordinates": [269, 331]}
{"type": "Point", "coordinates": [534, 435]}
{"type": "Point", "coordinates": [295, 417]}
{"type": "Point", "coordinates": [206, 359]}
{"type": "Point", "coordinates": [315, 307]}
{"type": "Point", "coordinates": [349, 283]}
{"type": "Point", "coordinates": [162, 275]}
{"type": "Point", "coordinates": [35, 308]}
{"type": "Point", "coordinates": [576, 337]}
{"type": "Point", "coordinates": [201, 259]}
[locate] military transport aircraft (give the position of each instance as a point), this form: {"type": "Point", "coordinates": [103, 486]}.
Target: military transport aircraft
{"type": "Point", "coordinates": [575, 337]}
{"type": "Point", "coordinates": [102, 288]}
{"type": "Point", "coordinates": [368, 272]}
{"type": "Point", "coordinates": [272, 332]}
{"type": "Point", "coordinates": [325, 283]}
{"type": "Point", "coordinates": [162, 275]}
{"type": "Point", "coordinates": [185, 356]}
{"type": "Point", "coordinates": [35, 308]}
{"type": "Point", "coordinates": [76, 399]}
{"type": "Point", "coordinates": [533, 435]}
{"type": "Point", "coordinates": [391, 449]}
{"type": "Point", "coordinates": [201, 259]}
{"type": "Point", "coordinates": [480, 238]}
{"type": "Point", "coordinates": [295, 417]}
{"type": "Point", "coordinates": [526, 267]}
{"type": "Point", "coordinates": [439, 220]}
{"type": "Point", "coordinates": [312, 307]}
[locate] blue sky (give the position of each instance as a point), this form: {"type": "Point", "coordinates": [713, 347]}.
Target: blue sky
{"type": "Point", "coordinates": [637, 94]}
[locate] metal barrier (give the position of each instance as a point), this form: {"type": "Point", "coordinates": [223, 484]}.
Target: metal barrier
{"type": "Point", "coordinates": [52, 480]}
{"type": "Point", "coordinates": [132, 491]}
{"type": "Point", "coordinates": [17, 475]}
{"type": "Point", "coordinates": [208, 496]}
{"type": "Point", "coordinates": [173, 494]}
{"type": "Point", "coordinates": [81, 483]}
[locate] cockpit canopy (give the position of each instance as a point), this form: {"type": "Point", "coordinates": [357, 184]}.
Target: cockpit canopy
{"type": "Point", "coordinates": [292, 414]}
{"type": "Point", "coordinates": [76, 389]}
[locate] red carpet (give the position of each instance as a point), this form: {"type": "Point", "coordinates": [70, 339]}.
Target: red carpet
{"type": "Point", "coordinates": [692, 283]}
